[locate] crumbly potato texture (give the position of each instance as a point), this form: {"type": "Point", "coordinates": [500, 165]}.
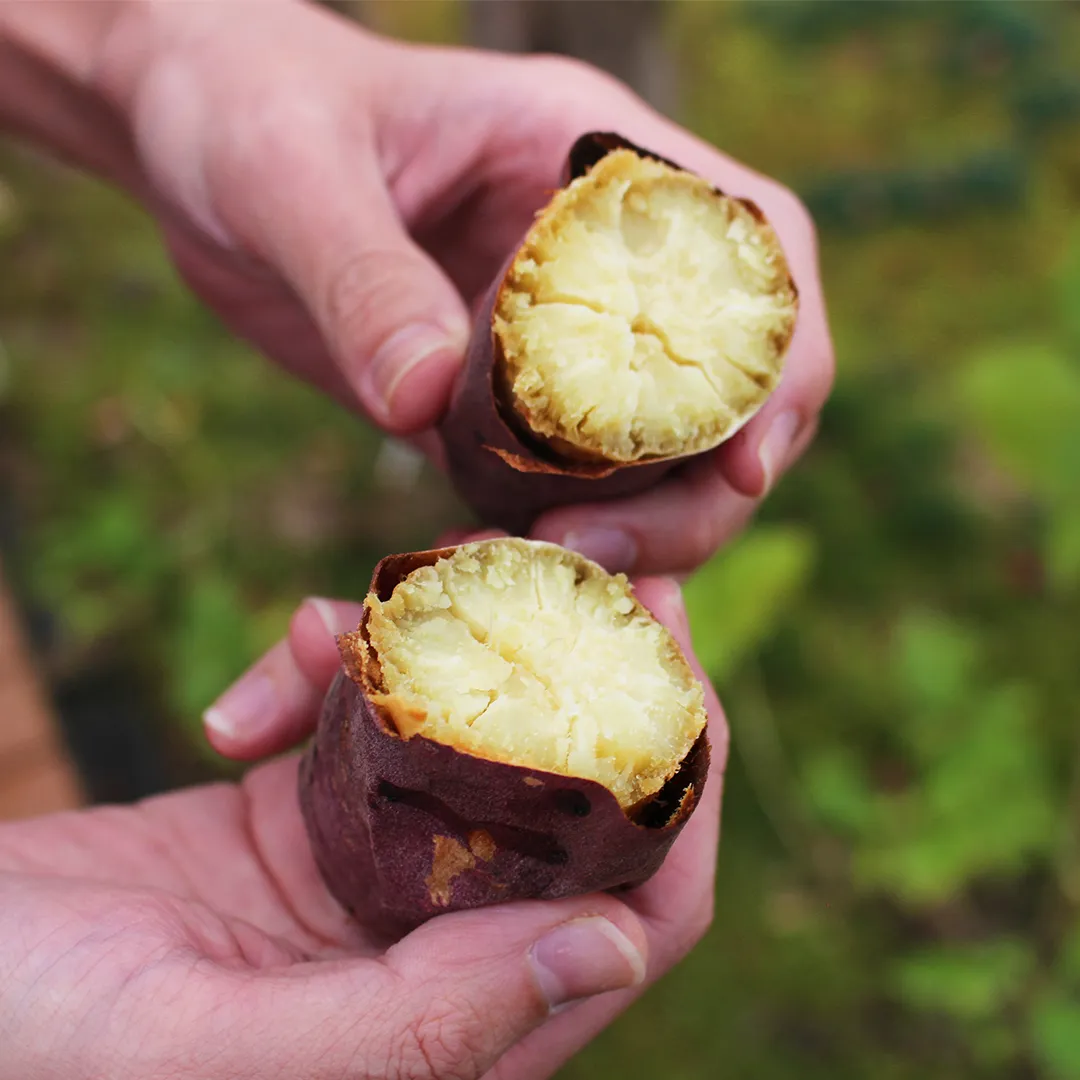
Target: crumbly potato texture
{"type": "Point", "coordinates": [526, 653]}
{"type": "Point", "coordinates": [646, 315]}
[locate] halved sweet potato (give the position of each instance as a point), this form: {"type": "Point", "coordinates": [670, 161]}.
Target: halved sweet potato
{"type": "Point", "coordinates": [509, 723]}
{"type": "Point", "coordinates": [644, 319]}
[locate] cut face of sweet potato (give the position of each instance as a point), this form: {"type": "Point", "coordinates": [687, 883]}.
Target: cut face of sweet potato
{"type": "Point", "coordinates": [508, 723]}
{"type": "Point", "coordinates": [644, 318]}
{"type": "Point", "coordinates": [523, 653]}
{"type": "Point", "coordinates": [645, 315]}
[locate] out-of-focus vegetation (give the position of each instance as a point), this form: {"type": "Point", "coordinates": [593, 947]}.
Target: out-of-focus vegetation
{"type": "Point", "coordinates": [897, 639]}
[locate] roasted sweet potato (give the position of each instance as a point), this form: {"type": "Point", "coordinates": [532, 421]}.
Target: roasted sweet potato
{"type": "Point", "coordinates": [509, 722]}
{"type": "Point", "coordinates": [644, 319]}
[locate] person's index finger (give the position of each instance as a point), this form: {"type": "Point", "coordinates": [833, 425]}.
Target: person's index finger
{"type": "Point", "coordinates": [275, 704]}
{"type": "Point", "coordinates": [313, 633]}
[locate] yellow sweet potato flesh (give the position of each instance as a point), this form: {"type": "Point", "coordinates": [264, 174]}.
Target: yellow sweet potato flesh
{"type": "Point", "coordinates": [646, 315]}
{"type": "Point", "coordinates": [526, 653]}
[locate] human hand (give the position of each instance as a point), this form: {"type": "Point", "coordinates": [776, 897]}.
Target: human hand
{"type": "Point", "coordinates": [191, 935]}
{"type": "Point", "coordinates": [342, 201]}
{"type": "Point", "coordinates": [275, 705]}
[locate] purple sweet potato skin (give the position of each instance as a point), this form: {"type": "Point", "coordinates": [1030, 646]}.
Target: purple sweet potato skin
{"type": "Point", "coordinates": [506, 478]}
{"type": "Point", "coordinates": [403, 830]}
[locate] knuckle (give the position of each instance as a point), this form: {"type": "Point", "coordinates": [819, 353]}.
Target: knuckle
{"type": "Point", "coordinates": [705, 532]}
{"type": "Point", "coordinates": [440, 1043]}
{"type": "Point", "coordinates": [679, 929]}
{"type": "Point", "coordinates": [691, 928]}
{"type": "Point", "coordinates": [578, 79]}
{"type": "Point", "coordinates": [346, 289]}
{"type": "Point", "coordinates": [700, 919]}
{"type": "Point", "coordinates": [360, 289]}
{"type": "Point", "coordinates": [702, 542]}
{"type": "Point", "coordinates": [273, 139]}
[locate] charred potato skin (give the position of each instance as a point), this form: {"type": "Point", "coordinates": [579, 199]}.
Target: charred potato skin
{"type": "Point", "coordinates": [406, 829]}
{"type": "Point", "coordinates": [503, 471]}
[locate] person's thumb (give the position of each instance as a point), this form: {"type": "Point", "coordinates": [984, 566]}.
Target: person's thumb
{"type": "Point", "coordinates": [447, 1001]}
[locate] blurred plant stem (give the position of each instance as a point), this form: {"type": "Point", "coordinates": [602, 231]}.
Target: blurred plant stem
{"type": "Point", "coordinates": [756, 738]}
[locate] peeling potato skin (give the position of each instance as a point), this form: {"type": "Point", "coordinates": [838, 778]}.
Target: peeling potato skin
{"type": "Point", "coordinates": [403, 830]}
{"type": "Point", "coordinates": [506, 475]}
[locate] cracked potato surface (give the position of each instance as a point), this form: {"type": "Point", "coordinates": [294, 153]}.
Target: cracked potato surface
{"type": "Point", "coordinates": [526, 653]}
{"type": "Point", "coordinates": [647, 315]}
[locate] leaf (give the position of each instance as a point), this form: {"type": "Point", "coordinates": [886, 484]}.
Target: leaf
{"type": "Point", "coordinates": [212, 643]}
{"type": "Point", "coordinates": [934, 660]}
{"type": "Point", "coordinates": [98, 565]}
{"type": "Point", "coordinates": [1055, 1036]}
{"type": "Point", "coordinates": [1068, 957]}
{"type": "Point", "coordinates": [737, 599]}
{"type": "Point", "coordinates": [1063, 547]}
{"type": "Point", "coordinates": [1069, 290]}
{"type": "Point", "coordinates": [1024, 401]}
{"type": "Point", "coordinates": [970, 982]}
{"type": "Point", "coordinates": [981, 805]}
{"type": "Point", "coordinates": [836, 787]}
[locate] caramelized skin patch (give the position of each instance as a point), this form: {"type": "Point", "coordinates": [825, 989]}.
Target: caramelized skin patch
{"type": "Point", "coordinates": [525, 653]}
{"type": "Point", "coordinates": [646, 315]}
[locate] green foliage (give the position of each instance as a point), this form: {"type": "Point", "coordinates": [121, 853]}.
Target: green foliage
{"type": "Point", "coordinates": [1068, 282]}
{"type": "Point", "coordinates": [934, 669]}
{"type": "Point", "coordinates": [1023, 402]}
{"type": "Point", "coordinates": [214, 636]}
{"type": "Point", "coordinates": [895, 637]}
{"type": "Point", "coordinates": [979, 804]}
{"type": "Point", "coordinates": [838, 789]}
{"type": "Point", "coordinates": [735, 600]}
{"type": "Point", "coordinates": [1055, 1035]}
{"type": "Point", "coordinates": [969, 982]}
{"type": "Point", "coordinates": [1055, 1015]}
{"type": "Point", "coordinates": [108, 563]}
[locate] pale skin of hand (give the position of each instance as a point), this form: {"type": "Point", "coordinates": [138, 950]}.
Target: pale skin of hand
{"type": "Point", "coordinates": [342, 201]}
{"type": "Point", "coordinates": [191, 935]}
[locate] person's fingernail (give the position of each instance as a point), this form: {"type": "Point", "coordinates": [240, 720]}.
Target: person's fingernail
{"type": "Point", "coordinates": [402, 353]}
{"type": "Point", "coordinates": [776, 446]}
{"type": "Point", "coordinates": [327, 616]}
{"type": "Point", "coordinates": [242, 709]}
{"type": "Point", "coordinates": [613, 549]}
{"type": "Point", "coordinates": [585, 957]}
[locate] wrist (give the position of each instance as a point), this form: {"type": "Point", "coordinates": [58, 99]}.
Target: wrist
{"type": "Point", "coordinates": [66, 36]}
{"type": "Point", "coordinates": [48, 55]}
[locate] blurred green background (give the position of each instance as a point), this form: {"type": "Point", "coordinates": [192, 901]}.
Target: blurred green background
{"type": "Point", "coordinates": [896, 639]}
